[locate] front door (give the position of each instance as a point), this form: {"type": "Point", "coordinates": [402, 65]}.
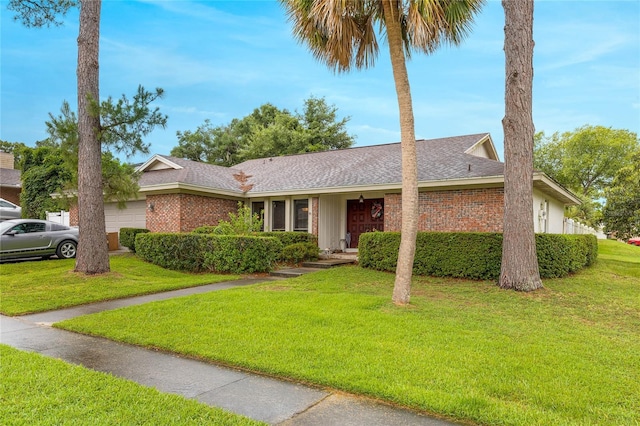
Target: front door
{"type": "Point", "coordinates": [364, 217]}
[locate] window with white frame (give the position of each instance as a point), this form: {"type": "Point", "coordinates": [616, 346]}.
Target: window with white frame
{"type": "Point", "coordinates": [278, 212]}
{"type": "Point", "coordinates": [301, 215]}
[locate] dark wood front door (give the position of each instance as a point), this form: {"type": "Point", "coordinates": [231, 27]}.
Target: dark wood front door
{"type": "Point", "coordinates": [364, 217]}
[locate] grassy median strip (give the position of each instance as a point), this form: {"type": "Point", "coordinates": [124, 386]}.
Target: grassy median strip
{"type": "Point", "coordinates": [36, 390]}
{"type": "Point", "coordinates": [37, 286]}
{"type": "Point", "coordinates": [568, 354]}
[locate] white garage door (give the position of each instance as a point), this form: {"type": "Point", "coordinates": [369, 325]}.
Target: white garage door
{"type": "Point", "coordinates": [134, 216]}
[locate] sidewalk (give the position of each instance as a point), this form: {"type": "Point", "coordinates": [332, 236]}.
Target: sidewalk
{"type": "Point", "coordinates": [258, 397]}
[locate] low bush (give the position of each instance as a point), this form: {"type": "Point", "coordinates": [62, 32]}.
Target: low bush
{"type": "Point", "coordinates": [206, 252]}
{"type": "Point", "coordinates": [207, 229]}
{"type": "Point", "coordinates": [299, 252]}
{"type": "Point", "coordinates": [241, 254]}
{"type": "Point", "coordinates": [181, 252]}
{"type": "Point", "coordinates": [475, 255]}
{"type": "Point", "coordinates": [289, 237]}
{"type": "Point", "coordinates": [128, 237]}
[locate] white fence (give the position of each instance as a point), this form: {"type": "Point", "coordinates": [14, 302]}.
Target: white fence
{"type": "Point", "coordinates": [61, 217]}
{"type": "Point", "coordinates": [573, 227]}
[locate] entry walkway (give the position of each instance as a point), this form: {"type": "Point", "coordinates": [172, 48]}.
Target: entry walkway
{"type": "Point", "coordinates": [259, 397]}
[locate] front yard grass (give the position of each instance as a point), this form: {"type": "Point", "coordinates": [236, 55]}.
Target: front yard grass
{"type": "Point", "coordinates": [37, 286]}
{"type": "Point", "coordinates": [565, 355]}
{"type": "Point", "coordinates": [36, 390]}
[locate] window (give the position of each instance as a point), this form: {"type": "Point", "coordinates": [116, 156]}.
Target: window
{"type": "Point", "coordinates": [278, 216]}
{"type": "Point", "coordinates": [301, 215]}
{"type": "Point", "coordinates": [29, 227]}
{"type": "Point", "coordinates": [257, 207]}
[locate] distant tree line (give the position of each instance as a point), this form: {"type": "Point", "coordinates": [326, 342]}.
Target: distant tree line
{"type": "Point", "coordinates": [602, 166]}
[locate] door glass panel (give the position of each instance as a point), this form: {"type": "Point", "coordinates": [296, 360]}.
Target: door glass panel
{"type": "Point", "coordinates": [277, 216]}
{"type": "Point", "coordinates": [301, 215]}
{"type": "Point", "coordinates": [258, 207]}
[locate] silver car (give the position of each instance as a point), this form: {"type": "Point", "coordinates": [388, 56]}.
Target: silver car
{"type": "Point", "coordinates": [21, 238]}
{"type": "Point", "coordinates": [8, 210]}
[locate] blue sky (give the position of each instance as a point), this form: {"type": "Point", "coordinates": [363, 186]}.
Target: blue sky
{"type": "Point", "coordinates": [219, 60]}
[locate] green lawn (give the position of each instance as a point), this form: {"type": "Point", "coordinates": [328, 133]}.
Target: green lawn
{"type": "Point", "coordinates": [37, 286]}
{"type": "Point", "coordinates": [565, 355]}
{"type": "Point", "coordinates": [36, 390]}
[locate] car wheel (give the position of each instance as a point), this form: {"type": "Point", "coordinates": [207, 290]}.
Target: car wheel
{"type": "Point", "coordinates": [66, 250]}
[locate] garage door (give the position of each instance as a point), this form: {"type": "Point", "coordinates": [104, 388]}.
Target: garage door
{"type": "Point", "coordinates": [134, 216]}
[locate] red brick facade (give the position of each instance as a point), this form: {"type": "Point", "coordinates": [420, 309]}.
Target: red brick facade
{"type": "Point", "coordinates": [11, 194]}
{"type": "Point", "coordinates": [185, 212]}
{"type": "Point", "coordinates": [463, 210]}
{"type": "Point", "coordinates": [73, 215]}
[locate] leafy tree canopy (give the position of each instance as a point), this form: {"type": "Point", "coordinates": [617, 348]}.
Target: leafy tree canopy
{"type": "Point", "coordinates": [268, 131]}
{"type": "Point", "coordinates": [586, 161]}
{"type": "Point", "coordinates": [40, 13]}
{"type": "Point", "coordinates": [52, 166]}
{"type": "Point", "coordinates": [621, 213]}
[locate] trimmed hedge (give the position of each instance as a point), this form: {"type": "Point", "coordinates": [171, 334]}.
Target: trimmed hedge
{"type": "Point", "coordinates": [128, 237]}
{"type": "Point", "coordinates": [241, 254]}
{"type": "Point", "coordinates": [299, 252]}
{"type": "Point", "coordinates": [286, 237]}
{"type": "Point", "coordinates": [204, 252]}
{"type": "Point", "coordinates": [475, 255]}
{"type": "Point", "coordinates": [289, 237]}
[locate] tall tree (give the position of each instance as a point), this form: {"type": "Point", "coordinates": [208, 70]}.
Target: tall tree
{"type": "Point", "coordinates": [267, 132]}
{"type": "Point", "coordinates": [342, 34]}
{"type": "Point", "coordinates": [587, 159]}
{"type": "Point", "coordinates": [519, 269]}
{"type": "Point", "coordinates": [43, 171]}
{"type": "Point", "coordinates": [93, 256]}
{"type": "Point", "coordinates": [621, 213]}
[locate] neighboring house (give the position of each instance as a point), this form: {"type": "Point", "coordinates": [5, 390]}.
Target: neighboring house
{"type": "Point", "coordinates": [10, 183]}
{"type": "Point", "coordinates": [333, 193]}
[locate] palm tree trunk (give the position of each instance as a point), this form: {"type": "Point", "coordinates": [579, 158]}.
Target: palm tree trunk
{"type": "Point", "coordinates": [519, 269]}
{"type": "Point", "coordinates": [93, 254]}
{"type": "Point", "coordinates": [409, 229]}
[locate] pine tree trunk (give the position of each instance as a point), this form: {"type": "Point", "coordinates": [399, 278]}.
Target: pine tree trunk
{"type": "Point", "coordinates": [519, 269]}
{"type": "Point", "coordinates": [93, 254]}
{"type": "Point", "coordinates": [409, 229]}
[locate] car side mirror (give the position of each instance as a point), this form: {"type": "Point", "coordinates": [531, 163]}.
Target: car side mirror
{"type": "Point", "coordinates": [11, 233]}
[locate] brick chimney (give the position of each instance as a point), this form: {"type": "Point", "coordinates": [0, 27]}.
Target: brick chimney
{"type": "Point", "coordinates": [6, 160]}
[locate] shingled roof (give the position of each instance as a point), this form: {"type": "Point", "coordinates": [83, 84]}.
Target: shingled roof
{"type": "Point", "coordinates": [438, 160]}
{"type": "Point", "coordinates": [10, 178]}
{"type": "Point", "coordinates": [452, 162]}
{"type": "Point", "coordinates": [162, 171]}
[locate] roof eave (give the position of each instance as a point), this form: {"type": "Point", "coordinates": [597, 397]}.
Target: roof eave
{"type": "Point", "coordinates": [177, 187]}
{"type": "Point", "coordinates": [545, 184]}
{"type": "Point", "coordinates": [396, 186]}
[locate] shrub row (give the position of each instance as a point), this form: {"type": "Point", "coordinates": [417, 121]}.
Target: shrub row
{"type": "Point", "coordinates": [128, 237]}
{"type": "Point", "coordinates": [204, 252]}
{"type": "Point", "coordinates": [474, 255]}
{"type": "Point", "coordinates": [286, 238]}
{"type": "Point", "coordinates": [298, 246]}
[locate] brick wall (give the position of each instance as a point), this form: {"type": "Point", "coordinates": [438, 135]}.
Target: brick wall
{"type": "Point", "coordinates": [73, 215]}
{"type": "Point", "coordinates": [185, 212]}
{"type": "Point", "coordinates": [464, 210]}
{"type": "Point", "coordinates": [11, 194]}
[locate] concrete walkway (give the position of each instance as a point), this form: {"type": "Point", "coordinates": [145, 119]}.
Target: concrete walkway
{"type": "Point", "coordinates": [258, 397]}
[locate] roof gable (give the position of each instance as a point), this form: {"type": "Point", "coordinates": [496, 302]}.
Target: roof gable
{"type": "Point", "coordinates": [158, 162]}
